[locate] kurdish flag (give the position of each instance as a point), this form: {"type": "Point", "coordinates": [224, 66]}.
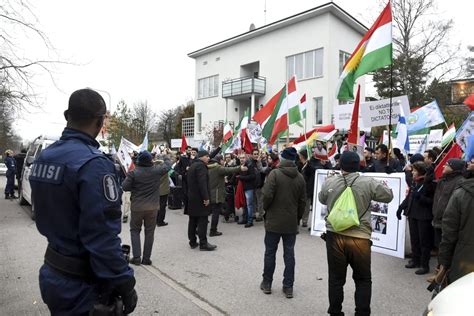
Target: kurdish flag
{"type": "Point", "coordinates": [373, 52]}
{"type": "Point", "coordinates": [277, 123]}
{"type": "Point", "coordinates": [303, 106]}
{"type": "Point", "coordinates": [294, 112]}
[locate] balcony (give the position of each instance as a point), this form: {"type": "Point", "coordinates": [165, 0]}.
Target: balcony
{"type": "Point", "coordinates": [243, 87]}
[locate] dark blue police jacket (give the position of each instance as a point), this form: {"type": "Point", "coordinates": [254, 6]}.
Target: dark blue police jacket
{"type": "Point", "coordinates": [11, 166]}
{"type": "Point", "coordinates": [77, 203]}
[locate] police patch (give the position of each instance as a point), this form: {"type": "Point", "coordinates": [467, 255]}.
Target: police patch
{"type": "Point", "coordinates": [110, 188]}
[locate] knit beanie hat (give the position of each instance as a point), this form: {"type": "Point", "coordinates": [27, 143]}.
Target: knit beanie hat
{"type": "Point", "coordinates": [144, 157]}
{"type": "Point", "coordinates": [456, 164]}
{"type": "Point", "coordinates": [350, 161]}
{"type": "Point", "coordinates": [289, 153]}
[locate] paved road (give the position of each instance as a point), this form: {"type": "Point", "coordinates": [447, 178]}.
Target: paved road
{"type": "Point", "coordinates": [183, 281]}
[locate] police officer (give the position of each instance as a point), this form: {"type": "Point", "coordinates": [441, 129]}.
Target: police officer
{"type": "Point", "coordinates": [11, 171]}
{"type": "Point", "coordinates": [77, 203]}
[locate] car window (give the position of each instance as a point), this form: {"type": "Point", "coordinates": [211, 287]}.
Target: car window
{"type": "Point", "coordinates": [38, 151]}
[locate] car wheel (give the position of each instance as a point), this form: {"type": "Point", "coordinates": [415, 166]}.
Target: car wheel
{"type": "Point", "coordinates": [21, 199]}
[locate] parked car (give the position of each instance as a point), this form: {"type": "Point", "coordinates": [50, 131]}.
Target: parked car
{"type": "Point", "coordinates": [35, 148]}
{"type": "Point", "coordinates": [3, 168]}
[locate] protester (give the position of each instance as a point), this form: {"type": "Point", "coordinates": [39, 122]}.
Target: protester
{"type": "Point", "coordinates": [78, 211]}
{"type": "Point", "coordinates": [380, 162]}
{"type": "Point", "coordinates": [284, 201]}
{"type": "Point", "coordinates": [408, 168]}
{"type": "Point", "coordinates": [248, 179]}
{"type": "Point", "coordinates": [217, 174]}
{"type": "Point", "coordinates": [452, 174]}
{"type": "Point", "coordinates": [230, 183]}
{"type": "Point", "coordinates": [19, 161]}
{"type": "Point", "coordinates": [199, 199]}
{"type": "Point", "coordinates": [369, 159]}
{"type": "Point", "coordinates": [181, 168]}
{"type": "Point", "coordinates": [144, 184]}
{"type": "Point", "coordinates": [417, 206]}
{"type": "Point", "coordinates": [351, 246]}
{"type": "Point", "coordinates": [10, 174]}
{"type": "Point", "coordinates": [307, 170]}
{"type": "Point", "coordinates": [337, 164]}
{"type": "Point", "coordinates": [164, 192]}
{"type": "Point", "coordinates": [456, 250]}
{"type": "Point", "coordinates": [401, 158]}
{"type": "Point", "coordinates": [260, 166]}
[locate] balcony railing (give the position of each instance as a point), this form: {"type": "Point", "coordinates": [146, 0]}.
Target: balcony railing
{"type": "Point", "coordinates": [245, 86]}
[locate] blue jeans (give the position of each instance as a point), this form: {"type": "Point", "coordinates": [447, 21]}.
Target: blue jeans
{"type": "Point", "coordinates": [271, 247]}
{"type": "Point", "coordinates": [249, 200]}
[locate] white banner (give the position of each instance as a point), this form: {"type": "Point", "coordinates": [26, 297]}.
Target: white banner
{"type": "Point", "coordinates": [418, 143]}
{"type": "Point", "coordinates": [343, 115]}
{"type": "Point", "coordinates": [176, 142]}
{"type": "Point", "coordinates": [434, 138]}
{"type": "Point", "coordinates": [377, 113]}
{"type": "Point", "coordinates": [123, 155]}
{"type": "Point", "coordinates": [388, 233]}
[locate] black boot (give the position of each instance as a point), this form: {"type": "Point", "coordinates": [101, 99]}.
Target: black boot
{"type": "Point", "coordinates": [7, 196]}
{"type": "Point", "coordinates": [412, 264]}
{"type": "Point", "coordinates": [422, 270]}
{"type": "Point", "coordinates": [266, 287]}
{"type": "Point", "coordinates": [207, 247]}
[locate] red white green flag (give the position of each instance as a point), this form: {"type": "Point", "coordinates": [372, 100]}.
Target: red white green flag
{"type": "Point", "coordinates": [227, 132]}
{"type": "Point", "coordinates": [277, 123]}
{"type": "Point", "coordinates": [373, 52]}
{"type": "Point", "coordinates": [303, 106]}
{"type": "Point", "coordinates": [294, 113]}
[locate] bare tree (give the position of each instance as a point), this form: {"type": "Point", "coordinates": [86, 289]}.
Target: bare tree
{"type": "Point", "coordinates": [167, 121]}
{"type": "Point", "coordinates": [16, 68]}
{"type": "Point", "coordinates": [143, 119]}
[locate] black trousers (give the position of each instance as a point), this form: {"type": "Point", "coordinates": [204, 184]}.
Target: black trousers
{"type": "Point", "coordinates": [162, 211]}
{"type": "Point", "coordinates": [437, 237]}
{"type": "Point", "coordinates": [271, 247]}
{"type": "Point", "coordinates": [216, 210]}
{"type": "Point", "coordinates": [342, 251]}
{"type": "Point", "coordinates": [421, 238]}
{"type": "Point", "coordinates": [197, 225]}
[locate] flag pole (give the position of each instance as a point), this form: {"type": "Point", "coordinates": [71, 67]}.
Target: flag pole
{"type": "Point", "coordinates": [390, 151]}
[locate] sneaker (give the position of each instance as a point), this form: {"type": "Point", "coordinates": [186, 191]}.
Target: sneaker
{"type": "Point", "coordinates": [136, 261]}
{"type": "Point", "coordinates": [288, 292]}
{"type": "Point", "coordinates": [248, 225]}
{"type": "Point", "coordinates": [162, 224]}
{"type": "Point", "coordinates": [193, 245]}
{"type": "Point", "coordinates": [146, 262]}
{"type": "Point", "coordinates": [412, 264]}
{"type": "Point", "coordinates": [215, 233]}
{"type": "Point", "coordinates": [266, 287]}
{"type": "Point", "coordinates": [207, 247]}
{"type": "Point", "coordinates": [422, 270]}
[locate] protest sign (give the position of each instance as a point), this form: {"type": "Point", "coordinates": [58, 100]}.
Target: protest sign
{"type": "Point", "coordinates": [418, 143]}
{"type": "Point", "coordinates": [176, 142]}
{"type": "Point", "coordinates": [343, 115]}
{"type": "Point", "coordinates": [377, 113]}
{"type": "Point", "coordinates": [388, 233]}
{"type": "Point", "coordinates": [434, 138]}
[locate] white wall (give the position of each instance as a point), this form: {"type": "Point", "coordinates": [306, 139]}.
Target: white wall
{"type": "Point", "coordinates": [324, 31]}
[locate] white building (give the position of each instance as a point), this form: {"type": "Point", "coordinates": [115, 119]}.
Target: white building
{"type": "Point", "coordinates": [245, 71]}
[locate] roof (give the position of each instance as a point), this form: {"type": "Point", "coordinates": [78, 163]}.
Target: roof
{"type": "Point", "coordinates": [311, 13]}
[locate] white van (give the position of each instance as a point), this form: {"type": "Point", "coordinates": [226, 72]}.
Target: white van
{"type": "Point", "coordinates": [33, 152]}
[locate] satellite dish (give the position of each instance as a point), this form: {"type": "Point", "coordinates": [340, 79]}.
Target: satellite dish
{"type": "Point", "coordinates": [252, 27]}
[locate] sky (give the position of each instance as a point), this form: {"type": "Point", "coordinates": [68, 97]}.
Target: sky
{"type": "Point", "coordinates": [137, 50]}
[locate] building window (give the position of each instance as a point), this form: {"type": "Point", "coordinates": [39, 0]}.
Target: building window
{"type": "Point", "coordinates": [343, 58]}
{"type": "Point", "coordinates": [199, 122]}
{"type": "Point", "coordinates": [318, 106]}
{"type": "Point", "coordinates": [188, 126]}
{"type": "Point", "coordinates": [305, 65]}
{"type": "Point", "coordinates": [208, 87]}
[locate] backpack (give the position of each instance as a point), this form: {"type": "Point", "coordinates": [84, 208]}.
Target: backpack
{"type": "Point", "coordinates": [343, 214]}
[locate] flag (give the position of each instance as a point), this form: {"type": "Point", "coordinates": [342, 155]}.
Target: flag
{"type": "Point", "coordinates": [470, 102]}
{"type": "Point", "coordinates": [426, 116]}
{"type": "Point", "coordinates": [469, 153]}
{"type": "Point", "coordinates": [322, 133]}
{"type": "Point", "coordinates": [244, 137]}
{"type": "Point", "coordinates": [449, 135]}
{"type": "Point", "coordinates": [266, 111]}
{"type": "Point", "coordinates": [454, 152]}
{"type": "Point", "coordinates": [403, 142]}
{"type": "Point", "coordinates": [303, 106]}
{"type": "Point", "coordinates": [373, 52]}
{"type": "Point", "coordinates": [227, 132]}
{"type": "Point", "coordinates": [184, 144]}
{"type": "Point", "coordinates": [144, 145]}
{"type": "Point", "coordinates": [277, 123]}
{"type": "Point", "coordinates": [294, 113]}
{"type": "Point", "coordinates": [353, 136]}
